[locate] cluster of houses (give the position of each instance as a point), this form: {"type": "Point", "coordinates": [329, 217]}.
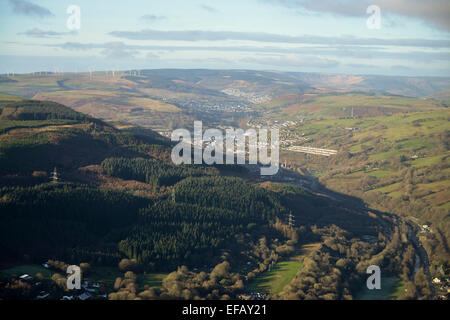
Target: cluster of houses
{"type": "Point", "coordinates": [167, 134]}
{"type": "Point", "coordinates": [253, 97]}
{"type": "Point", "coordinates": [442, 286]}
{"type": "Point", "coordinates": [222, 108]}
{"type": "Point", "coordinates": [264, 123]}
{"type": "Point", "coordinates": [215, 106]}
{"type": "Point", "coordinates": [288, 135]}
{"type": "Point", "coordinates": [89, 289]}
{"type": "Point", "coordinates": [254, 296]}
{"type": "Point", "coordinates": [31, 281]}
{"type": "Point", "coordinates": [425, 228]}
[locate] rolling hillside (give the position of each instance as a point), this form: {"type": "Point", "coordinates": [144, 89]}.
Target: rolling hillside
{"type": "Point", "coordinates": [118, 197]}
{"type": "Point", "coordinates": [393, 153]}
{"type": "Point", "coordinates": [170, 98]}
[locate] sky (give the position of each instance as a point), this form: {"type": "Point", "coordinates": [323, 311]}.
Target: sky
{"type": "Point", "coordinates": [406, 38]}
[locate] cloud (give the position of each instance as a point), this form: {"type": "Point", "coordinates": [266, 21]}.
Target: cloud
{"type": "Point", "coordinates": [339, 7]}
{"type": "Point", "coordinates": [111, 50]}
{"type": "Point", "coordinates": [77, 46]}
{"type": "Point", "coordinates": [337, 51]}
{"type": "Point", "coordinates": [209, 8]}
{"type": "Point", "coordinates": [29, 9]}
{"type": "Point", "coordinates": [152, 18]}
{"type": "Point", "coordinates": [400, 68]}
{"type": "Point", "coordinates": [151, 55]}
{"type": "Point", "coordinates": [201, 35]}
{"type": "Point", "coordinates": [118, 50]}
{"type": "Point", "coordinates": [435, 12]}
{"type": "Point", "coordinates": [292, 60]}
{"type": "Point", "coordinates": [361, 65]}
{"type": "Point", "coordinates": [38, 33]}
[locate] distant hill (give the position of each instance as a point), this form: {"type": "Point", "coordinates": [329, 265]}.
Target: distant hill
{"type": "Point", "coordinates": [174, 98]}
{"type": "Point", "coordinates": [345, 105]}
{"type": "Point", "coordinates": [38, 110]}
{"type": "Point", "coordinates": [39, 135]}
{"type": "Point", "coordinates": [443, 96]}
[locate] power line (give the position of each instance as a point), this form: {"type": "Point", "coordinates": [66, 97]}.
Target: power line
{"type": "Point", "coordinates": [291, 220]}
{"type": "Point", "coordinates": [55, 177]}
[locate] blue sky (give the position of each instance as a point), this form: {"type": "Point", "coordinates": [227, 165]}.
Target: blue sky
{"type": "Point", "coordinates": [328, 36]}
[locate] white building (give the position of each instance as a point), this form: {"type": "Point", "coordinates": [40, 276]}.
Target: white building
{"type": "Point", "coordinates": [436, 280]}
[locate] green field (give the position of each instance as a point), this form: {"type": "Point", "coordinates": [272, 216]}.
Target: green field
{"type": "Point", "coordinates": [6, 97]}
{"type": "Point", "coordinates": [106, 275]}
{"type": "Point", "coordinates": [282, 273]}
{"type": "Point", "coordinates": [331, 106]}
{"type": "Point", "coordinates": [380, 173]}
{"type": "Point", "coordinates": [391, 288]}
{"type": "Point", "coordinates": [151, 280]}
{"type": "Point", "coordinates": [428, 161]}
{"type": "Point", "coordinates": [379, 146]}
{"type": "Point", "coordinates": [30, 269]}
{"type": "Point", "coordinates": [274, 281]}
{"type": "Point", "coordinates": [385, 155]}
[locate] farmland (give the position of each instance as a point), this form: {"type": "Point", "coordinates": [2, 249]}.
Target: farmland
{"type": "Point", "coordinates": [396, 160]}
{"type": "Point", "coordinates": [417, 138]}
{"type": "Point", "coordinates": [99, 95]}
{"type": "Point", "coordinates": [282, 273]}
{"type": "Point", "coordinates": [331, 106]}
{"type": "Point", "coordinates": [391, 288]}
{"type": "Point", "coordinates": [277, 278]}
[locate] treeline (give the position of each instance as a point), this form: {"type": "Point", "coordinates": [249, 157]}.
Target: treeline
{"type": "Point", "coordinates": [338, 269]}
{"type": "Point", "coordinates": [51, 218]}
{"type": "Point", "coordinates": [231, 194]}
{"type": "Point", "coordinates": [39, 110]}
{"type": "Point", "coordinates": [154, 172]}
{"type": "Point", "coordinates": [220, 283]}
{"type": "Point", "coordinates": [202, 216]}
{"type": "Point", "coordinates": [180, 233]}
{"type": "Point", "coordinates": [200, 219]}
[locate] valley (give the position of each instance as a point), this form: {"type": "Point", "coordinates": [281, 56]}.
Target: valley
{"type": "Point", "coordinates": [363, 180]}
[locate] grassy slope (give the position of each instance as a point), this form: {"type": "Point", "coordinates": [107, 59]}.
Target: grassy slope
{"type": "Point", "coordinates": [6, 97]}
{"type": "Point", "coordinates": [30, 269]}
{"type": "Point", "coordinates": [29, 145]}
{"type": "Point", "coordinates": [375, 162]}
{"type": "Point", "coordinates": [381, 139]}
{"type": "Point", "coordinates": [275, 280]}
{"type": "Point", "coordinates": [282, 273]}
{"type": "Point", "coordinates": [151, 280]}
{"type": "Point", "coordinates": [331, 106]}
{"type": "Point", "coordinates": [102, 96]}
{"type": "Point", "coordinates": [405, 140]}
{"type": "Point", "coordinates": [391, 288]}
